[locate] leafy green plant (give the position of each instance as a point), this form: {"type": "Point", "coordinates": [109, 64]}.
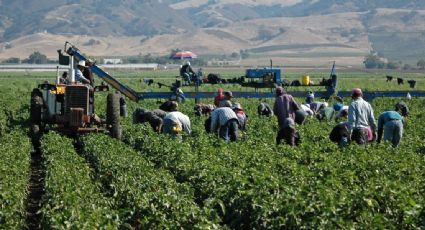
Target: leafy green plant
{"type": "Point", "coordinates": [149, 197]}
{"type": "Point", "coordinates": [15, 150]}
{"type": "Point", "coordinates": [72, 200]}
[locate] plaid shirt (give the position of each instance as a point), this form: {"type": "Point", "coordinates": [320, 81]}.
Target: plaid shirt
{"type": "Point", "coordinates": [220, 116]}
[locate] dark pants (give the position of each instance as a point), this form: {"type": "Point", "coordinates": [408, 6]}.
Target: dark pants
{"type": "Point", "coordinates": [339, 134]}
{"type": "Point", "coordinates": [359, 135]}
{"type": "Point", "coordinates": [289, 135]}
{"type": "Point", "coordinates": [229, 130]}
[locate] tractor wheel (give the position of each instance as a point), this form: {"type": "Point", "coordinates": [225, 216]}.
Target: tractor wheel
{"type": "Point", "coordinates": [36, 110]}
{"type": "Point", "coordinates": [113, 115]}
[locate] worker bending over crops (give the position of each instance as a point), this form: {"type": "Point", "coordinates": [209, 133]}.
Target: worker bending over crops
{"type": "Point", "coordinates": [175, 123]}
{"type": "Point", "coordinates": [264, 109]}
{"type": "Point", "coordinates": [402, 108]}
{"type": "Point", "coordinates": [288, 133]}
{"type": "Point", "coordinates": [390, 123]}
{"type": "Point", "coordinates": [340, 134]}
{"type": "Point", "coordinates": [169, 106]}
{"type": "Point", "coordinates": [154, 117]}
{"type": "Point", "coordinates": [225, 121]}
{"type": "Point", "coordinates": [203, 109]}
{"type": "Point", "coordinates": [227, 99]}
{"type": "Point", "coordinates": [360, 116]}
{"type": "Point", "coordinates": [242, 117]}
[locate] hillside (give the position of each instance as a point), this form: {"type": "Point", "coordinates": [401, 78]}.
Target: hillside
{"type": "Point", "coordinates": [286, 30]}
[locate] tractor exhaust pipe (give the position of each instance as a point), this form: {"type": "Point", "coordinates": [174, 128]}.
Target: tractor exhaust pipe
{"type": "Point", "coordinates": [57, 75]}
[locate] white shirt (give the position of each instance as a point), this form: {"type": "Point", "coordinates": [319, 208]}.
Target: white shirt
{"type": "Point", "coordinates": [360, 115]}
{"type": "Point", "coordinates": [181, 119]}
{"type": "Point", "coordinates": [307, 109]}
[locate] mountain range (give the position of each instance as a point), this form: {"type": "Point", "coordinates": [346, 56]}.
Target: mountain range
{"type": "Point", "coordinates": [292, 32]}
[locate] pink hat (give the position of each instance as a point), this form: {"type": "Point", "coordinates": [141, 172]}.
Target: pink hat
{"type": "Point", "coordinates": [357, 92]}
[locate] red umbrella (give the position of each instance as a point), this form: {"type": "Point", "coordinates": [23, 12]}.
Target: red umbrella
{"type": "Point", "coordinates": [184, 55]}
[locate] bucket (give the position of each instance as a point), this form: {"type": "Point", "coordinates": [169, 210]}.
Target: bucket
{"type": "Point", "coordinates": [305, 80]}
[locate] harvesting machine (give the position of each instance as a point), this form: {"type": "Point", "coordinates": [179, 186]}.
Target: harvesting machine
{"type": "Point", "coordinates": [70, 108]}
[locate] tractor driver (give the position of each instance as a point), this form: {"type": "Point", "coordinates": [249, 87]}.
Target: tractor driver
{"type": "Point", "coordinates": [79, 77]}
{"type": "Point", "coordinates": [186, 72]}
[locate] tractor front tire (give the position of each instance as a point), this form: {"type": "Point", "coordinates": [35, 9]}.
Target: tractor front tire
{"type": "Point", "coordinates": [113, 115]}
{"type": "Point", "coordinates": [36, 110]}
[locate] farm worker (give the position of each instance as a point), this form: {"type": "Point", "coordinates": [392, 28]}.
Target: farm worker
{"type": "Point", "coordinates": [227, 100]}
{"type": "Point", "coordinates": [326, 112]}
{"type": "Point", "coordinates": [402, 108]}
{"type": "Point", "coordinates": [175, 123]}
{"type": "Point", "coordinates": [360, 116]}
{"type": "Point", "coordinates": [203, 109]}
{"type": "Point", "coordinates": [284, 106]}
{"type": "Point", "coordinates": [341, 113]}
{"type": "Point", "coordinates": [186, 72]}
{"type": "Point", "coordinates": [309, 98]}
{"type": "Point", "coordinates": [339, 134]}
{"type": "Point", "coordinates": [154, 117]}
{"type": "Point", "coordinates": [316, 106]}
{"type": "Point", "coordinates": [288, 133]}
{"type": "Point", "coordinates": [225, 121]}
{"type": "Point", "coordinates": [264, 109]}
{"type": "Point", "coordinates": [79, 77]}
{"type": "Point", "coordinates": [391, 124]}
{"type": "Point", "coordinates": [64, 78]}
{"type": "Point", "coordinates": [169, 106]}
{"type": "Point", "coordinates": [242, 117]}
{"type": "Point", "coordinates": [307, 109]}
{"type": "Point", "coordinates": [300, 116]}
{"type": "Point", "coordinates": [219, 97]}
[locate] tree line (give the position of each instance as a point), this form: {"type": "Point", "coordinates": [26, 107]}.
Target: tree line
{"type": "Point", "coordinates": [373, 61]}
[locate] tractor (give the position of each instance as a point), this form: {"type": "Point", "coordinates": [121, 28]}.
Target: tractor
{"type": "Point", "coordinates": [69, 107]}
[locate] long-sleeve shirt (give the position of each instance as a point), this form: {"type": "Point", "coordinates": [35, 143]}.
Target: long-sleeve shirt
{"type": "Point", "coordinates": [264, 109]}
{"type": "Point", "coordinates": [307, 110]}
{"type": "Point", "coordinates": [388, 116]}
{"type": "Point", "coordinates": [79, 77]}
{"type": "Point", "coordinates": [284, 107]}
{"type": "Point", "coordinates": [220, 116]}
{"type": "Point", "coordinates": [360, 115]}
{"type": "Point", "coordinates": [316, 105]}
{"type": "Point", "coordinates": [159, 112]}
{"type": "Point", "coordinates": [180, 119]}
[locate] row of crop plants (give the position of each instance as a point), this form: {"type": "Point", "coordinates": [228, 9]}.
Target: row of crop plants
{"type": "Point", "coordinates": [148, 197]}
{"type": "Point", "coordinates": [72, 200]}
{"type": "Point", "coordinates": [15, 150]}
{"type": "Point", "coordinates": [254, 184]}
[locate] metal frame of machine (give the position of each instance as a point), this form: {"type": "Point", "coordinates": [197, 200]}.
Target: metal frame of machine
{"type": "Point", "coordinates": [331, 87]}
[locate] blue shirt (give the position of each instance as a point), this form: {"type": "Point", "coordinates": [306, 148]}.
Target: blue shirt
{"type": "Point", "coordinates": [79, 77]}
{"type": "Point", "coordinates": [388, 116]}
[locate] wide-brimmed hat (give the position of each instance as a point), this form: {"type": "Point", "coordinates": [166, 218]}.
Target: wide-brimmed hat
{"type": "Point", "coordinates": [82, 63]}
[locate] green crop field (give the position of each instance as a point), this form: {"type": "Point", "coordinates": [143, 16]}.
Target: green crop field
{"type": "Point", "coordinates": [150, 181]}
